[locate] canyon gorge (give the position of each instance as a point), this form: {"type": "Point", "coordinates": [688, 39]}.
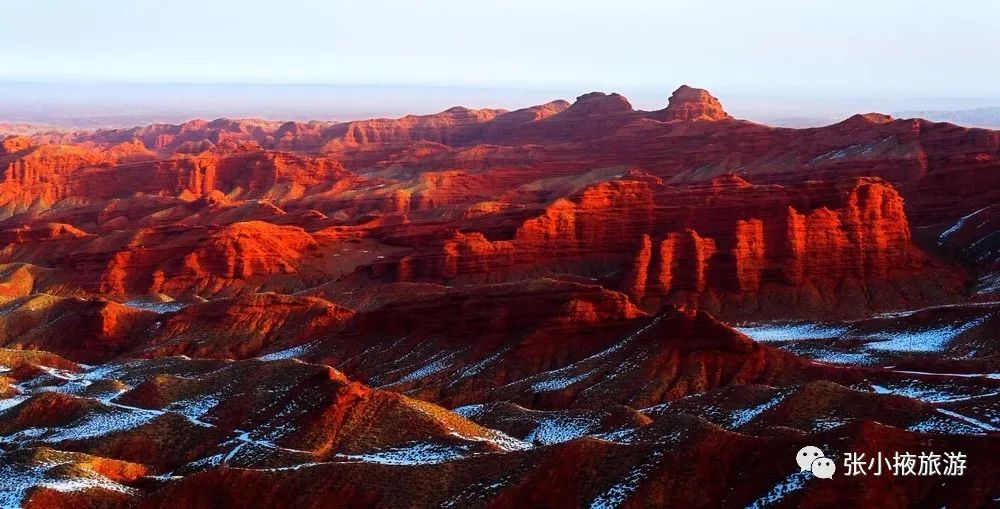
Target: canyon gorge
{"type": "Point", "coordinates": [574, 304]}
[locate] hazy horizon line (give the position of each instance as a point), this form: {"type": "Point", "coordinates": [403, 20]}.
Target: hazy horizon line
{"type": "Point", "coordinates": [76, 105]}
{"type": "Point", "coordinates": [776, 91]}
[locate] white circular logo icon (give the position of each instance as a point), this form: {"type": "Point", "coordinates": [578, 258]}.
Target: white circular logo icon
{"type": "Point", "coordinates": [811, 458]}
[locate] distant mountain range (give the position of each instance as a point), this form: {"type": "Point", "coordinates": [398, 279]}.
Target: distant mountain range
{"type": "Point", "coordinates": [976, 117]}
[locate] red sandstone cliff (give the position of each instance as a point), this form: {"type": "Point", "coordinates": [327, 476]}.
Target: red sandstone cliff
{"type": "Point", "coordinates": [687, 103]}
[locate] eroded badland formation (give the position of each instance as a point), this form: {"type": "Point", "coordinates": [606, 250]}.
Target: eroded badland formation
{"type": "Point", "coordinates": [490, 308]}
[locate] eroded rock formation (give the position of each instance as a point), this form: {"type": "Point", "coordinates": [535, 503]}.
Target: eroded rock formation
{"type": "Point", "coordinates": [496, 308]}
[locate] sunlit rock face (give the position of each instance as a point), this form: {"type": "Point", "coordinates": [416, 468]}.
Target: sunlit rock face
{"type": "Point", "coordinates": [575, 304]}
{"type": "Point", "coordinates": [687, 103]}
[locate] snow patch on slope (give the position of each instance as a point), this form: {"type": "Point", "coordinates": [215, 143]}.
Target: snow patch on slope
{"type": "Point", "coordinates": [556, 429]}
{"type": "Point", "coordinates": [929, 340]}
{"type": "Point", "coordinates": [290, 353]}
{"type": "Point", "coordinates": [792, 483]}
{"type": "Point", "coordinates": [419, 453]}
{"type": "Point", "coordinates": [778, 332]}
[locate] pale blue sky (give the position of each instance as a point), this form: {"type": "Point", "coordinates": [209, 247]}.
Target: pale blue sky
{"type": "Point", "coordinates": [843, 47]}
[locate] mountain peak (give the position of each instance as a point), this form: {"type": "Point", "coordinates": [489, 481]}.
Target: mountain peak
{"type": "Point", "coordinates": [689, 103]}
{"type": "Point", "coordinates": [600, 102]}
{"type": "Point", "coordinates": [871, 118]}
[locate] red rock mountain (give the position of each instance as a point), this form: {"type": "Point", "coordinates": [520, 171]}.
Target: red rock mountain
{"type": "Point", "coordinates": [688, 103]}
{"type": "Point", "coordinates": [567, 305]}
